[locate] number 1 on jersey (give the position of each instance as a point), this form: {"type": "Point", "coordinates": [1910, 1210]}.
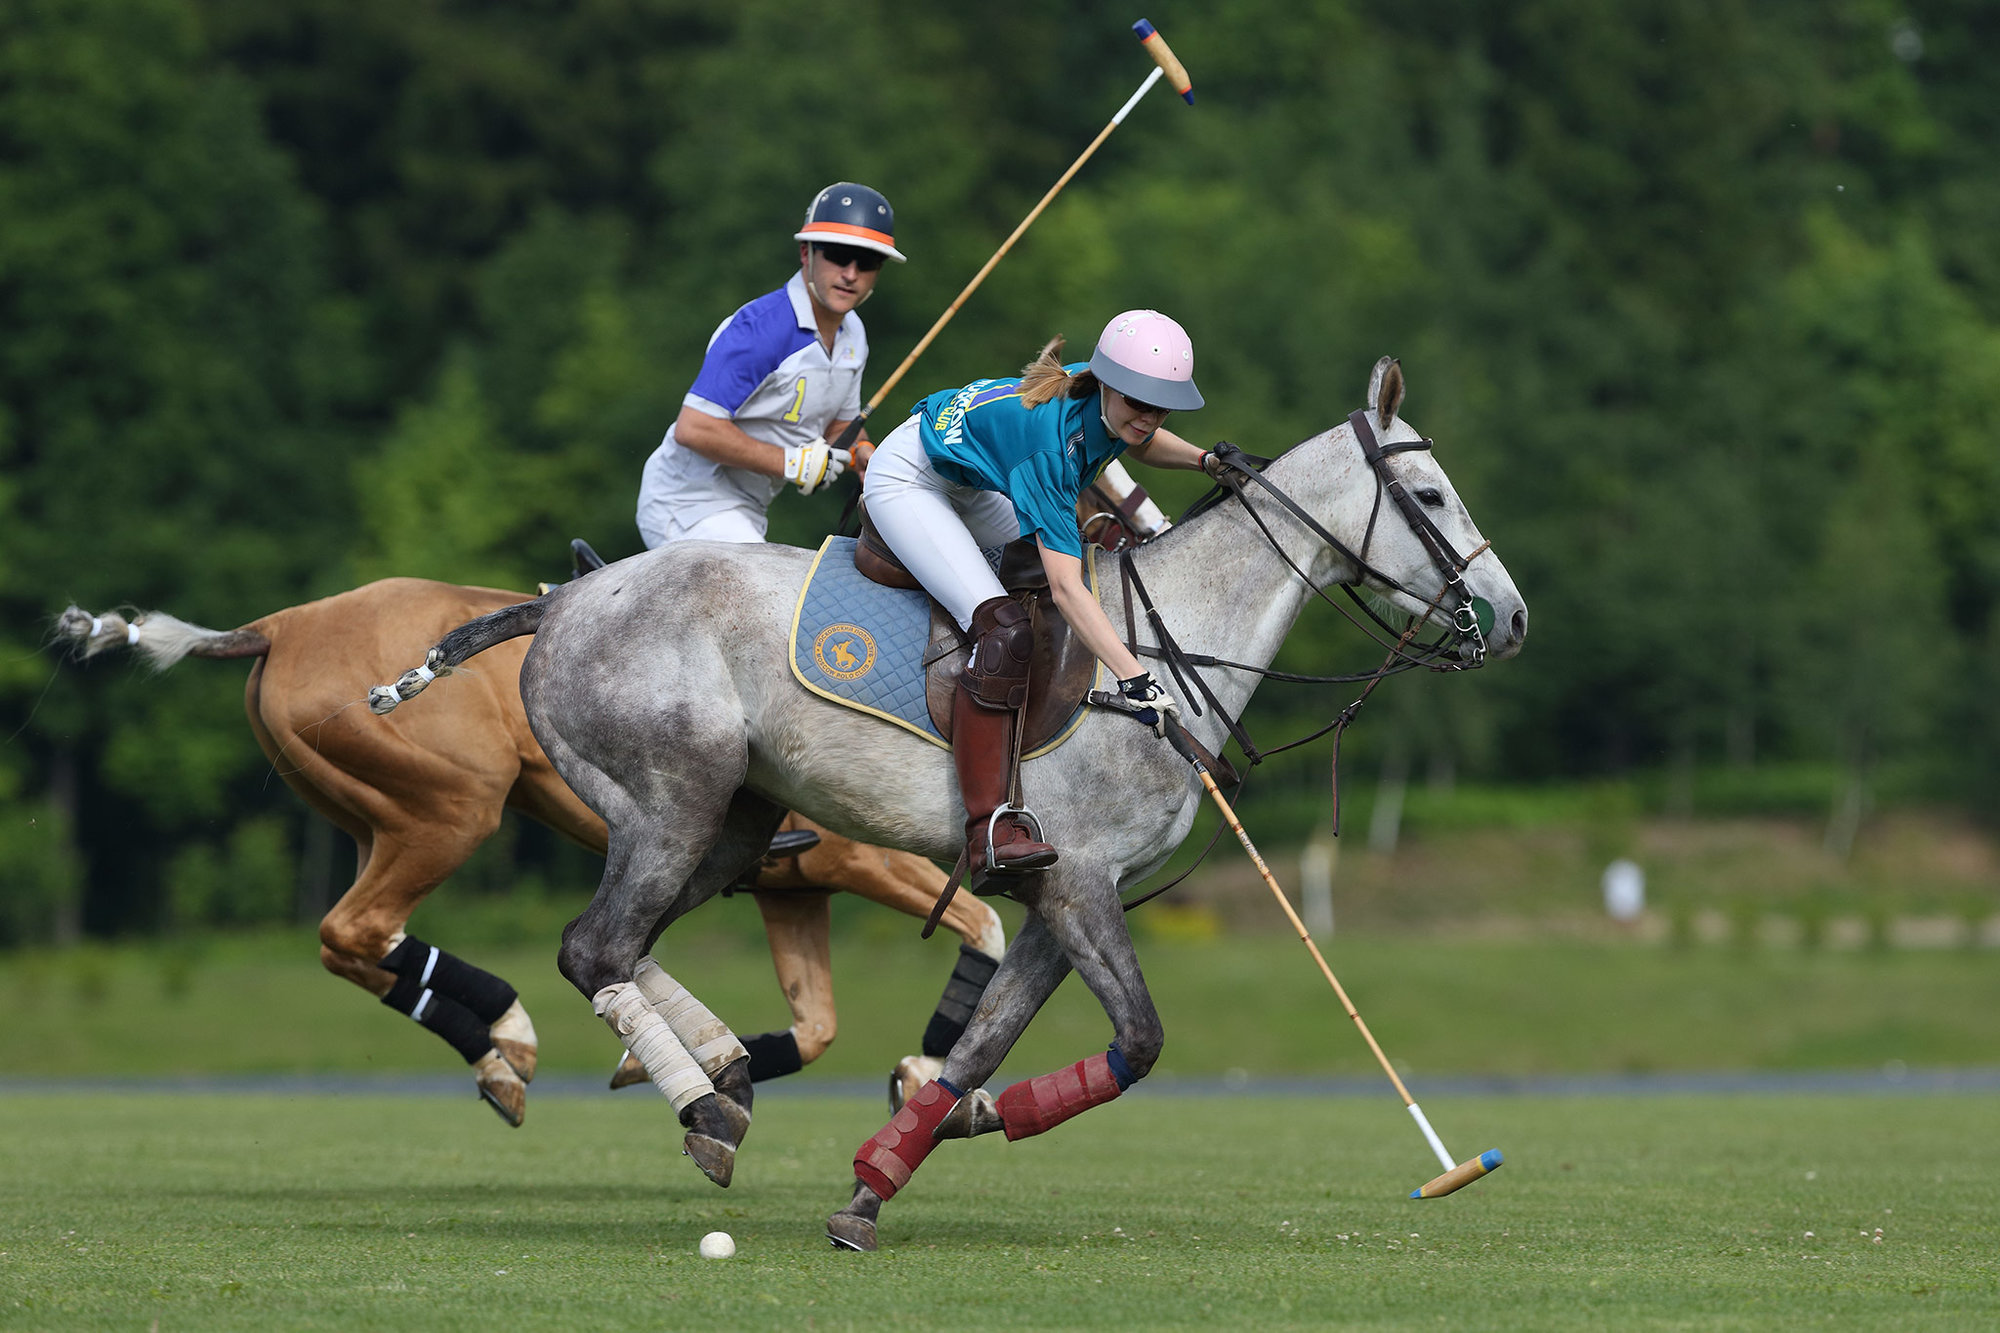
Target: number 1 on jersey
{"type": "Point", "coordinates": [798, 402]}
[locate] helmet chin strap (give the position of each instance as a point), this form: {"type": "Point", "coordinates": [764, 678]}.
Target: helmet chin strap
{"type": "Point", "coordinates": [1103, 403]}
{"type": "Point", "coordinates": [813, 287]}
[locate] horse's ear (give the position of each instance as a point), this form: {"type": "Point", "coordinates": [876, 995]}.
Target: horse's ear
{"type": "Point", "coordinates": [1385, 390]}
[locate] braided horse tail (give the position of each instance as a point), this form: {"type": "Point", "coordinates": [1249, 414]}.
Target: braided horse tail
{"type": "Point", "coordinates": [159, 639]}
{"type": "Point", "coordinates": [468, 640]}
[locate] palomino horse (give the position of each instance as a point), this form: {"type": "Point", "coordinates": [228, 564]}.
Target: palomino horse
{"type": "Point", "coordinates": [661, 692]}
{"type": "Point", "coordinates": [420, 795]}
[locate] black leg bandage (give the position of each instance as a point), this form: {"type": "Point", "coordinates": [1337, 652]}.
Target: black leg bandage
{"type": "Point", "coordinates": [486, 995]}
{"type": "Point", "coordinates": [441, 1014]}
{"type": "Point", "coordinates": [773, 1055]}
{"type": "Point", "coordinates": [961, 998]}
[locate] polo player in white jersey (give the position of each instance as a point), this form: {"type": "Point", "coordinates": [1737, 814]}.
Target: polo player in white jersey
{"type": "Point", "coordinates": [781, 377]}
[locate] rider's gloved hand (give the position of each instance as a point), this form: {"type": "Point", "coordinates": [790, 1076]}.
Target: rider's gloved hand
{"type": "Point", "coordinates": [812, 466]}
{"type": "Point", "coordinates": [1212, 461]}
{"type": "Point", "coordinates": [1155, 704]}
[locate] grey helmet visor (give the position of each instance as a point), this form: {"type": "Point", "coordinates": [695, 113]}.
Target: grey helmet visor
{"type": "Point", "coordinates": [1176, 395]}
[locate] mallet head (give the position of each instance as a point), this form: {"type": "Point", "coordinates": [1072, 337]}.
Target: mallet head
{"type": "Point", "coordinates": [1163, 56]}
{"type": "Point", "coordinates": [1461, 1175]}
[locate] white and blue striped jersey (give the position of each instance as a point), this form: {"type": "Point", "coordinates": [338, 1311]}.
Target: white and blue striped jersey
{"type": "Point", "coordinates": [767, 371]}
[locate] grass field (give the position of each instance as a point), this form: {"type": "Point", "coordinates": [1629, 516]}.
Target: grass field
{"type": "Point", "coordinates": [194, 1212]}
{"type": "Point", "coordinates": [262, 1004]}
{"type": "Point", "coordinates": [143, 1209]}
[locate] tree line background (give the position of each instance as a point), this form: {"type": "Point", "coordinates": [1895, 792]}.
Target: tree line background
{"type": "Point", "coordinates": [1700, 299]}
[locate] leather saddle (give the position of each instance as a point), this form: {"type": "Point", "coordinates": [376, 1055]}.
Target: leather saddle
{"type": "Point", "coordinates": [1061, 671]}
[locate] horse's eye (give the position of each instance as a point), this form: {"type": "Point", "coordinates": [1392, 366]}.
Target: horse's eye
{"type": "Point", "coordinates": [1431, 496]}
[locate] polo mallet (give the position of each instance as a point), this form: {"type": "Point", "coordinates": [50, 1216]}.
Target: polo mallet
{"type": "Point", "coordinates": [1454, 1177]}
{"type": "Point", "coordinates": [1164, 64]}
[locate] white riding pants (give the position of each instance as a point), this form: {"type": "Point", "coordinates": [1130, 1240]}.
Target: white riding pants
{"type": "Point", "coordinates": [658, 524]}
{"type": "Point", "coordinates": [937, 527]}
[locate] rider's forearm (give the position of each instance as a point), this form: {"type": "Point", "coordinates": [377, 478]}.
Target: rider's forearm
{"type": "Point", "coordinates": [1169, 450]}
{"type": "Point", "coordinates": [1088, 621]}
{"type": "Point", "coordinates": [726, 443]}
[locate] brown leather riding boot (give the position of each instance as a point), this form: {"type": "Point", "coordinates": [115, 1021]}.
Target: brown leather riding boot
{"type": "Point", "coordinates": [982, 741]}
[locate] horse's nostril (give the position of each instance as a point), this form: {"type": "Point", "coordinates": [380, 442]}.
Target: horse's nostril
{"type": "Point", "coordinates": [1520, 624]}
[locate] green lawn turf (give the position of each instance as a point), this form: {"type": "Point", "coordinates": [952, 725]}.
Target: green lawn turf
{"type": "Point", "coordinates": [261, 1003]}
{"type": "Point", "coordinates": [138, 1210]}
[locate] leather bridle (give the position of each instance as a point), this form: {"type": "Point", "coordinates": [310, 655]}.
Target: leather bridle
{"type": "Point", "coordinates": [1444, 654]}
{"type": "Point", "coordinates": [1447, 652]}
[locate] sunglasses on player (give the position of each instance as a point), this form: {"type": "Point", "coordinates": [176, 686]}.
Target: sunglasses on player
{"type": "Point", "coordinates": [840, 256]}
{"type": "Point", "coordinates": [1143, 409]}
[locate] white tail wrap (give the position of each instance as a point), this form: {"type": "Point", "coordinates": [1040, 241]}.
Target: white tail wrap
{"type": "Point", "coordinates": [704, 1036]}
{"type": "Point", "coordinates": [1430, 1137]}
{"type": "Point", "coordinates": [384, 698]}
{"type": "Point", "coordinates": [673, 1071]}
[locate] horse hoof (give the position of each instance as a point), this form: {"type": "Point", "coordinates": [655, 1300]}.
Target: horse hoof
{"type": "Point", "coordinates": [717, 1117]}
{"type": "Point", "coordinates": [976, 1113]}
{"type": "Point", "coordinates": [513, 1035]}
{"type": "Point", "coordinates": [628, 1072]}
{"type": "Point", "coordinates": [501, 1088]}
{"type": "Point", "coordinates": [716, 1159]}
{"type": "Point", "coordinates": [911, 1073]}
{"type": "Point", "coordinates": [848, 1232]}
{"type": "Point", "coordinates": [736, 1092]}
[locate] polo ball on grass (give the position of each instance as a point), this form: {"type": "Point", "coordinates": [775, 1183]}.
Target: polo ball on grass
{"type": "Point", "coordinates": [717, 1245]}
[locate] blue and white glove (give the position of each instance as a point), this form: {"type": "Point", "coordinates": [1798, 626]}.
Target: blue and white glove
{"type": "Point", "coordinates": [813, 466]}
{"type": "Point", "coordinates": [1154, 704]}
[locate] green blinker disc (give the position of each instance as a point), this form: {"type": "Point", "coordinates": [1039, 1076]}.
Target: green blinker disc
{"type": "Point", "coordinates": [1482, 614]}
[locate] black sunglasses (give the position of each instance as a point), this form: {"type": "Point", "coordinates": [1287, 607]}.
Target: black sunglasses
{"type": "Point", "coordinates": [1143, 408]}
{"type": "Point", "coordinates": [840, 256]}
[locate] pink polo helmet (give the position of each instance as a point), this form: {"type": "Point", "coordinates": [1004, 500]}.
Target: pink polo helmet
{"type": "Point", "coordinates": [1146, 356]}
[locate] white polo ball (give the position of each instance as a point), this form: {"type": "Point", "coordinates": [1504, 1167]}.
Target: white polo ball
{"type": "Point", "coordinates": [717, 1245]}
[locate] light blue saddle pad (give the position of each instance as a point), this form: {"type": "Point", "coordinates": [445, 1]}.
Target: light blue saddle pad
{"type": "Point", "coordinates": [861, 644]}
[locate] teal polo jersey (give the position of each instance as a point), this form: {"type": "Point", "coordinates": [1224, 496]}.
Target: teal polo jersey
{"type": "Point", "coordinates": [1040, 458]}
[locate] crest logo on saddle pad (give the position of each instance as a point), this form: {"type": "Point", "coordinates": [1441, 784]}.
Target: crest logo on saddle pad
{"type": "Point", "coordinates": [843, 651]}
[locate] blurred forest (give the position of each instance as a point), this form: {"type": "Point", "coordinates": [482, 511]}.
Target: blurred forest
{"type": "Point", "coordinates": [1700, 299]}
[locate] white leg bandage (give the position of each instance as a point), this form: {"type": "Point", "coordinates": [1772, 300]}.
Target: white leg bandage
{"type": "Point", "coordinates": [646, 1034]}
{"type": "Point", "coordinates": [706, 1037]}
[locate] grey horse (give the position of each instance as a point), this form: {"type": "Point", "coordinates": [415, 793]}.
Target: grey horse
{"type": "Point", "coordinates": [661, 691]}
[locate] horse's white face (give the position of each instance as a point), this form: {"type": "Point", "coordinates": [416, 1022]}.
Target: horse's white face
{"type": "Point", "coordinates": [1394, 547]}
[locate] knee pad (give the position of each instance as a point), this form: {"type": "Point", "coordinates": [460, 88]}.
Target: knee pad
{"type": "Point", "coordinates": [1003, 644]}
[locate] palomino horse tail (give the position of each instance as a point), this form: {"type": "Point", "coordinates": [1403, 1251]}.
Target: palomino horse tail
{"type": "Point", "coordinates": [160, 639]}
{"type": "Point", "coordinates": [468, 640]}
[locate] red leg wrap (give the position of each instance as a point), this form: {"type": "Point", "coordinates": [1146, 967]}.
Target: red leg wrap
{"type": "Point", "coordinates": [1045, 1102]}
{"type": "Point", "coordinates": [886, 1162]}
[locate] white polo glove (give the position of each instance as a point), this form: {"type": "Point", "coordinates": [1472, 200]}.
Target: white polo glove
{"type": "Point", "coordinates": [1147, 694]}
{"type": "Point", "coordinates": [815, 465]}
